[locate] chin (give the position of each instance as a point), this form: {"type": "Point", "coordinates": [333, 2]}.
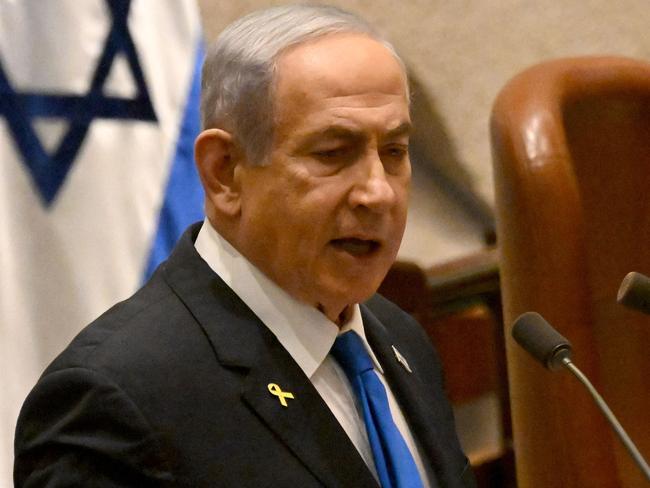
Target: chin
{"type": "Point", "coordinates": [340, 286]}
{"type": "Point", "coordinates": [355, 292]}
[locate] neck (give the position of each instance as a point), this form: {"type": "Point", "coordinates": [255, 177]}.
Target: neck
{"type": "Point", "coordinates": [341, 318]}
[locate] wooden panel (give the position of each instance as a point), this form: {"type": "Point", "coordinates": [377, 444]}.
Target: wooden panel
{"type": "Point", "coordinates": [467, 348]}
{"type": "Point", "coordinates": [570, 142]}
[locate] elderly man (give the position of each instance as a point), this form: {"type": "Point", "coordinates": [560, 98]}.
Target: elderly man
{"type": "Point", "coordinates": [247, 360]}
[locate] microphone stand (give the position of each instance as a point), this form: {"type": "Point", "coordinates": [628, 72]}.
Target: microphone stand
{"type": "Point", "coordinates": [618, 428]}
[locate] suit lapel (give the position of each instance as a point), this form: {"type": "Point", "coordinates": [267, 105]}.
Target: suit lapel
{"type": "Point", "coordinates": [306, 424]}
{"type": "Point", "coordinates": [240, 340]}
{"type": "Point", "coordinates": [417, 404]}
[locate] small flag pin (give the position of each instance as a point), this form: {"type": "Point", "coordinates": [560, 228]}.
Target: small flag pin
{"type": "Point", "coordinates": [401, 359]}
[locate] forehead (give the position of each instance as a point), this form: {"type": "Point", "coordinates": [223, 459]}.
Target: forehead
{"type": "Point", "coordinates": [339, 71]}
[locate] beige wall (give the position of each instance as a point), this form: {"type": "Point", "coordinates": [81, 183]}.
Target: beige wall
{"type": "Point", "coordinates": [462, 52]}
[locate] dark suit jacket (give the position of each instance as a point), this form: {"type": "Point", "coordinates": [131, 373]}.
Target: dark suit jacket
{"type": "Point", "coordinates": [170, 388]}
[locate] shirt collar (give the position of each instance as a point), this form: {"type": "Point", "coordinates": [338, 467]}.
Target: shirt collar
{"type": "Point", "coordinates": [356, 324]}
{"type": "Point", "coordinates": [303, 331]}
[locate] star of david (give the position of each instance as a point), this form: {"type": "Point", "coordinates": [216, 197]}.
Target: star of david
{"type": "Point", "coordinates": [48, 171]}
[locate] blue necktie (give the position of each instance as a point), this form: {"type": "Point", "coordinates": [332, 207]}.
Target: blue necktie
{"type": "Point", "coordinates": [393, 460]}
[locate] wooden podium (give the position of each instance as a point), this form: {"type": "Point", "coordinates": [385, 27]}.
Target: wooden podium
{"type": "Point", "coordinates": [571, 151]}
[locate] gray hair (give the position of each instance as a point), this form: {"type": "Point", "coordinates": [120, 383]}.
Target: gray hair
{"type": "Point", "coordinates": [239, 68]}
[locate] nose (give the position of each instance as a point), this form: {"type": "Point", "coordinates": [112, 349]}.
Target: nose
{"type": "Point", "coordinates": [372, 187]}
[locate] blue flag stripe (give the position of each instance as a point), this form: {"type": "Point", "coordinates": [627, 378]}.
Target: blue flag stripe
{"type": "Point", "coordinates": [183, 201]}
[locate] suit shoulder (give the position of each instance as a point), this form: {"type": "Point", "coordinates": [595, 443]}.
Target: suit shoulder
{"type": "Point", "coordinates": [380, 304]}
{"type": "Point", "coordinates": [79, 407]}
{"type": "Point", "coordinates": [392, 315]}
{"type": "Point", "coordinates": [127, 329]}
{"type": "Point", "coordinates": [405, 331]}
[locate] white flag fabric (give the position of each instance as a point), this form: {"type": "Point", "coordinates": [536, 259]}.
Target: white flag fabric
{"type": "Point", "coordinates": [98, 113]}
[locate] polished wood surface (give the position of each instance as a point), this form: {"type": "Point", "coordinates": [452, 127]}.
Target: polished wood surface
{"type": "Point", "coordinates": [571, 151]}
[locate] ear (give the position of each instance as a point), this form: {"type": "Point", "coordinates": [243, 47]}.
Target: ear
{"type": "Point", "coordinates": [216, 158]}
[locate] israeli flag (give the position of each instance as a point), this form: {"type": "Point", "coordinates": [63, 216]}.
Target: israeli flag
{"type": "Point", "coordinates": [98, 115]}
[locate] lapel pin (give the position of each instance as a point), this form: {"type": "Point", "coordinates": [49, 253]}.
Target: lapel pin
{"type": "Point", "coordinates": [401, 359]}
{"type": "Point", "coordinates": [282, 395]}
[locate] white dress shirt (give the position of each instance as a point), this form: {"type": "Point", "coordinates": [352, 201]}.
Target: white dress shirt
{"type": "Point", "coordinates": [308, 336]}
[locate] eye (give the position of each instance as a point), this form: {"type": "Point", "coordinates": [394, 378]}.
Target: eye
{"type": "Point", "coordinates": [332, 153]}
{"type": "Point", "coordinates": [394, 157]}
{"type": "Point", "coordinates": [341, 155]}
{"type": "Point", "coordinates": [395, 151]}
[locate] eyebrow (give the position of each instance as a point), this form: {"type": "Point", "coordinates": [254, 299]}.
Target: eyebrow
{"type": "Point", "coordinates": [405, 128]}
{"type": "Point", "coordinates": [339, 131]}
{"type": "Point", "coordinates": [351, 133]}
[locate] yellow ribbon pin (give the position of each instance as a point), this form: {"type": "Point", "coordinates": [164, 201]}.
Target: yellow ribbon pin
{"type": "Point", "coordinates": [282, 395]}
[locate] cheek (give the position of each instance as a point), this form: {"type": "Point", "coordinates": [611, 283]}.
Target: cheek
{"type": "Point", "coordinates": [402, 192]}
{"type": "Point", "coordinates": [402, 211]}
{"type": "Point", "coordinates": [318, 201]}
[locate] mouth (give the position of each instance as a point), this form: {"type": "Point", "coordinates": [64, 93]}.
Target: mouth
{"type": "Point", "coordinates": [356, 247]}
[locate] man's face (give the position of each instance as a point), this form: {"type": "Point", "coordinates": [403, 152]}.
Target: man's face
{"type": "Point", "coordinates": [324, 219]}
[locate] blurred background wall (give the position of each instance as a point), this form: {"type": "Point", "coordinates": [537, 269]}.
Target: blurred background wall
{"type": "Point", "coordinates": [461, 53]}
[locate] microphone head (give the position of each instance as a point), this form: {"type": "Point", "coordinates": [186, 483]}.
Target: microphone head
{"type": "Point", "coordinates": [634, 292]}
{"type": "Point", "coordinates": [541, 340]}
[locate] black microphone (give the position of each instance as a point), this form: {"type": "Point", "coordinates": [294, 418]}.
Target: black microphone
{"type": "Point", "coordinates": [634, 292]}
{"type": "Point", "coordinates": [542, 341]}
{"type": "Point", "coordinates": [550, 348]}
